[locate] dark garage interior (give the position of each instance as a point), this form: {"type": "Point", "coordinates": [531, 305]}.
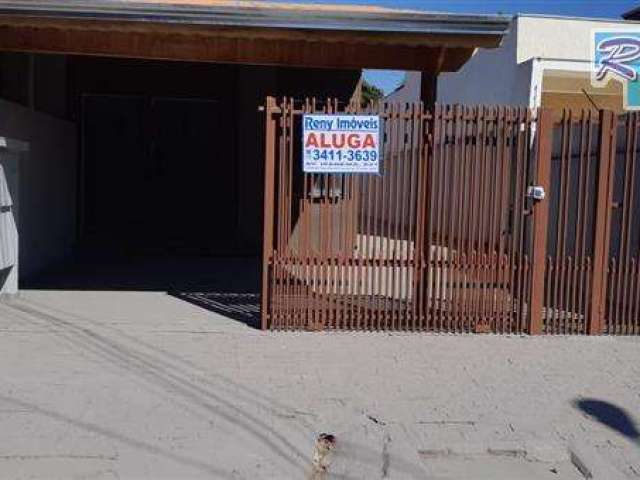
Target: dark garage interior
{"type": "Point", "coordinates": [171, 153]}
{"type": "Point", "coordinates": [158, 162]}
{"type": "Point", "coordinates": [165, 185]}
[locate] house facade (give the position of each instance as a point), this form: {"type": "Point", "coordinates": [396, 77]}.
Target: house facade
{"type": "Point", "coordinates": [544, 61]}
{"type": "Point", "coordinates": [141, 118]}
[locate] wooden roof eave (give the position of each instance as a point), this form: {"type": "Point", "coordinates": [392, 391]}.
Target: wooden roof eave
{"type": "Point", "coordinates": [255, 45]}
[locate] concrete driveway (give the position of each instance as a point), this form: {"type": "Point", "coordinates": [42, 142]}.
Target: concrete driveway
{"type": "Point", "coordinates": [126, 385]}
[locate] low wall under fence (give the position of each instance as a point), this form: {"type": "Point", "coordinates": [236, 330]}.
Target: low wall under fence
{"type": "Point", "coordinates": [448, 237]}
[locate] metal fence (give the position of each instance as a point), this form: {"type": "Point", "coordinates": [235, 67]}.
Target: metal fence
{"type": "Point", "coordinates": [573, 174]}
{"type": "Point", "coordinates": [622, 235]}
{"type": "Point", "coordinates": [447, 239]}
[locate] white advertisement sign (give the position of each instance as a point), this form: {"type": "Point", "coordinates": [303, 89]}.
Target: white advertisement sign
{"type": "Point", "coordinates": [341, 143]}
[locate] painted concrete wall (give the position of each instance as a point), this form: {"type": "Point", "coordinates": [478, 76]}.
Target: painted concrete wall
{"type": "Point", "coordinates": [560, 38]}
{"type": "Point", "coordinates": [508, 74]}
{"type": "Point", "coordinates": [47, 198]}
{"type": "Point", "coordinates": [409, 91]}
{"type": "Point", "coordinates": [490, 77]}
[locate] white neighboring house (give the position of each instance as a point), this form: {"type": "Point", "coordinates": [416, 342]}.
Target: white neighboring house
{"type": "Point", "coordinates": [544, 61]}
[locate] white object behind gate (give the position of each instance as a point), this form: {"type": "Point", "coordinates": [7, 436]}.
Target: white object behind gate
{"type": "Point", "coordinates": [10, 153]}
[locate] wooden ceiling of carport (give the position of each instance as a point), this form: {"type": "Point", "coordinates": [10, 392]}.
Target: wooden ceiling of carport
{"type": "Point", "coordinates": [248, 45]}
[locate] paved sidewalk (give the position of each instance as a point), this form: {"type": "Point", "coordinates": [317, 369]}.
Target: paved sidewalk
{"type": "Point", "coordinates": [123, 385]}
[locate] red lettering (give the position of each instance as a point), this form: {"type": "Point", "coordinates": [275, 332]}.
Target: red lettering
{"type": "Point", "coordinates": [312, 141]}
{"type": "Point", "coordinates": [368, 141]}
{"type": "Point", "coordinates": [323, 141]}
{"type": "Point", "coordinates": [336, 143]}
{"type": "Point", "coordinates": [339, 140]}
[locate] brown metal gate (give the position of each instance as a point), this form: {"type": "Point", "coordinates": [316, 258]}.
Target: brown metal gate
{"type": "Point", "coordinates": [446, 239]}
{"type": "Point", "coordinates": [440, 241]}
{"type": "Point", "coordinates": [570, 255]}
{"type": "Point", "coordinates": [592, 229]}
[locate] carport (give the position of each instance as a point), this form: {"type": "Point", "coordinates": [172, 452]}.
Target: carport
{"type": "Point", "coordinates": [142, 125]}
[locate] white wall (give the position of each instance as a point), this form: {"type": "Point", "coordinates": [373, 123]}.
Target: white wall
{"type": "Point", "coordinates": [409, 91]}
{"type": "Point", "coordinates": [47, 198]}
{"type": "Point", "coordinates": [560, 38]}
{"type": "Point", "coordinates": [490, 77]}
{"type": "Point", "coordinates": [504, 75]}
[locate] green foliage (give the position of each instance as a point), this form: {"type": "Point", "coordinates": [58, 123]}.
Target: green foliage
{"type": "Point", "coordinates": [370, 93]}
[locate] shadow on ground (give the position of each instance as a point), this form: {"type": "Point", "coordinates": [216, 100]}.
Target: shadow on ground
{"type": "Point", "coordinates": [610, 415]}
{"type": "Point", "coordinates": [226, 286]}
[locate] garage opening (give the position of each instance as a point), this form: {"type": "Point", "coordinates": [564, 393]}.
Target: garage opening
{"type": "Point", "coordinates": [144, 152]}
{"type": "Point", "coordinates": [159, 165]}
{"type": "Point", "coordinates": [151, 175]}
